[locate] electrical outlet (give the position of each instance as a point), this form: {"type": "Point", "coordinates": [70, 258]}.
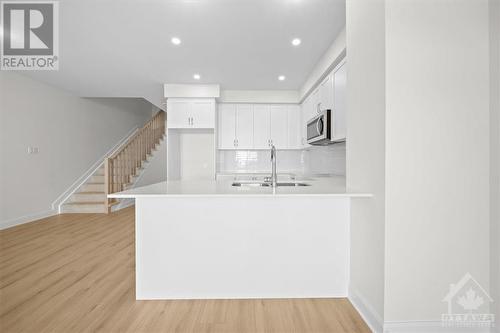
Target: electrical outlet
{"type": "Point", "coordinates": [33, 150]}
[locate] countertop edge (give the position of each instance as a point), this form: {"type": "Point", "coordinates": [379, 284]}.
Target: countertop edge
{"type": "Point", "coordinates": [232, 195]}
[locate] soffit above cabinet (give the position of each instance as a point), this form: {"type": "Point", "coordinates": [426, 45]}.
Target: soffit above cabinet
{"type": "Point", "coordinates": [191, 90]}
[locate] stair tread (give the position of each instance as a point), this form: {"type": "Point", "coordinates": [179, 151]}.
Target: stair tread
{"type": "Point", "coordinates": [85, 203]}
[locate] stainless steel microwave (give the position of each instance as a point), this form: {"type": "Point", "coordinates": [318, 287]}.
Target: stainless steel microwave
{"type": "Point", "coordinates": [319, 129]}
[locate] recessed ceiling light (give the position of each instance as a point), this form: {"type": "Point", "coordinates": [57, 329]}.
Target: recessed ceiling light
{"type": "Point", "coordinates": [196, 76]}
{"type": "Point", "coordinates": [175, 40]}
{"type": "Point", "coordinates": [281, 77]}
{"type": "Point", "coordinates": [296, 41]}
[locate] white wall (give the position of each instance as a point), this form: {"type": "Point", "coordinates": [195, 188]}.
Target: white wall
{"type": "Point", "coordinates": [197, 158]}
{"type": "Point", "coordinates": [366, 151]}
{"type": "Point", "coordinates": [191, 154]}
{"type": "Point", "coordinates": [495, 152]}
{"type": "Point", "coordinates": [437, 153]}
{"type": "Point", "coordinates": [71, 133]}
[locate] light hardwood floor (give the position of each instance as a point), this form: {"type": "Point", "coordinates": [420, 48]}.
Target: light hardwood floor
{"type": "Point", "coordinates": [75, 272]}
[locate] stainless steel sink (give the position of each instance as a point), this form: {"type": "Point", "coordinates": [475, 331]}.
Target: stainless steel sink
{"type": "Point", "coordinates": [266, 184]}
{"type": "Point", "coordinates": [293, 184]}
{"type": "Point", "coordinates": [253, 184]}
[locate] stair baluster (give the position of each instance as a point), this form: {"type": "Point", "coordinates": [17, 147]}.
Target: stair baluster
{"type": "Point", "coordinates": [121, 166]}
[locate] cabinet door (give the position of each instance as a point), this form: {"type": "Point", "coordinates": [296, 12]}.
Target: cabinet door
{"type": "Point", "coordinates": [261, 127]}
{"type": "Point", "coordinates": [315, 103]}
{"type": "Point", "coordinates": [178, 114]}
{"type": "Point", "coordinates": [202, 114]}
{"type": "Point", "coordinates": [305, 116]}
{"type": "Point", "coordinates": [326, 94]}
{"type": "Point", "coordinates": [339, 127]}
{"type": "Point", "coordinates": [227, 126]}
{"type": "Point", "coordinates": [279, 126]}
{"type": "Point", "coordinates": [244, 126]}
{"type": "Point", "coordinates": [294, 127]}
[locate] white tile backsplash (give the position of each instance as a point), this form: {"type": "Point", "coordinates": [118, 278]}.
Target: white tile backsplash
{"type": "Point", "coordinates": [314, 160]}
{"type": "Point", "coordinates": [255, 161]}
{"type": "Point", "coordinates": [326, 160]}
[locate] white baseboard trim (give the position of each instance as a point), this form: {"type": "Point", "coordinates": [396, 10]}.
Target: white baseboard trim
{"type": "Point", "coordinates": [61, 199]}
{"type": "Point", "coordinates": [372, 318]}
{"type": "Point", "coordinates": [26, 219]}
{"type": "Point", "coordinates": [428, 326]}
{"type": "Point", "coordinates": [377, 325]}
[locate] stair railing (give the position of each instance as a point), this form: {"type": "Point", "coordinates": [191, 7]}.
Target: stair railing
{"type": "Point", "coordinates": [122, 165]}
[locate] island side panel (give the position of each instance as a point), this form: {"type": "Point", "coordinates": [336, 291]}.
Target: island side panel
{"type": "Point", "coordinates": [247, 247]}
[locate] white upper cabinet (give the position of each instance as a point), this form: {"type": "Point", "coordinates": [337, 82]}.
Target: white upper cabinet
{"type": "Point", "coordinates": [235, 126]}
{"type": "Point", "coordinates": [294, 127]}
{"type": "Point", "coordinates": [227, 126]}
{"type": "Point", "coordinates": [315, 102]}
{"type": "Point", "coordinates": [178, 114]}
{"type": "Point", "coordinates": [190, 113]}
{"type": "Point", "coordinates": [257, 126]}
{"type": "Point", "coordinates": [261, 127]}
{"type": "Point", "coordinates": [203, 114]}
{"type": "Point", "coordinates": [279, 126]}
{"type": "Point", "coordinates": [306, 114]}
{"type": "Point", "coordinates": [326, 94]}
{"type": "Point", "coordinates": [244, 126]}
{"type": "Point", "coordinates": [329, 95]}
{"type": "Point", "coordinates": [339, 110]}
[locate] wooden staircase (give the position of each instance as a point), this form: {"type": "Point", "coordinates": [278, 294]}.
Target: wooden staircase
{"type": "Point", "coordinates": [119, 170]}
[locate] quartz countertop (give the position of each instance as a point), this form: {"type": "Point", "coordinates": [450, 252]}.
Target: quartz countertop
{"type": "Point", "coordinates": [320, 186]}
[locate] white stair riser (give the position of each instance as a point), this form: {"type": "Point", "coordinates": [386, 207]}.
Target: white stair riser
{"type": "Point", "coordinates": [91, 208]}
{"type": "Point", "coordinates": [92, 187]}
{"type": "Point", "coordinates": [97, 179]}
{"type": "Point", "coordinates": [99, 172]}
{"type": "Point", "coordinates": [87, 197]}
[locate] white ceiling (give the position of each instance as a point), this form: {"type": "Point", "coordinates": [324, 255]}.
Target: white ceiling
{"type": "Point", "coordinates": [120, 48]}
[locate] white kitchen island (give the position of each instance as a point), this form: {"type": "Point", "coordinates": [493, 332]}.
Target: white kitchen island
{"type": "Point", "coordinates": [208, 239]}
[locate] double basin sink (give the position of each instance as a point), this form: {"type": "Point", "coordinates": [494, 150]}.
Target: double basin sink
{"type": "Point", "coordinates": [268, 184]}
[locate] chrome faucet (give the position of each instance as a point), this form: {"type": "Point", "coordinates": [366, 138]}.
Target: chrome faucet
{"type": "Point", "coordinates": [274, 176]}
